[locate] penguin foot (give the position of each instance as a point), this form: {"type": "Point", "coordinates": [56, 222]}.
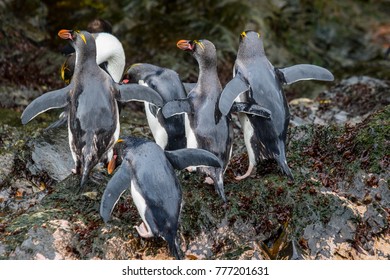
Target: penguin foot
{"type": "Point", "coordinates": [247, 174]}
{"type": "Point", "coordinates": [191, 169]}
{"type": "Point", "coordinates": [143, 231]}
{"type": "Point", "coordinates": [209, 181]}
{"type": "Point", "coordinates": [74, 171]}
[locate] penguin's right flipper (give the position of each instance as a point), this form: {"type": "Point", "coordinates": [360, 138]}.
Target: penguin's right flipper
{"type": "Point", "coordinates": [301, 72]}
{"type": "Point", "coordinates": [183, 158]}
{"type": "Point", "coordinates": [135, 92]}
{"type": "Point", "coordinates": [253, 109]}
{"type": "Point", "coordinates": [50, 100]}
{"type": "Point", "coordinates": [119, 183]}
{"type": "Point", "coordinates": [189, 86]}
{"type": "Point", "coordinates": [176, 107]}
{"type": "Point", "coordinates": [231, 91]}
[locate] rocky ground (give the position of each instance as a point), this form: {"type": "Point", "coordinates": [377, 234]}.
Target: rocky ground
{"type": "Point", "coordinates": [336, 208]}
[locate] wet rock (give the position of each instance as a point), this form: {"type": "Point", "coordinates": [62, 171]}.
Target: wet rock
{"type": "Point", "coordinates": [51, 154]}
{"type": "Point", "coordinates": [51, 241]}
{"type": "Point", "coordinates": [350, 101]}
{"type": "Point", "coordinates": [6, 164]}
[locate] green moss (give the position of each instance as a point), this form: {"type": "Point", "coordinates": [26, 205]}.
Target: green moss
{"type": "Point", "coordinates": [373, 141]}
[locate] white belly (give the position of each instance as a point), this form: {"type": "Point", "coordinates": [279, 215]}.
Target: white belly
{"type": "Point", "coordinates": [191, 139]}
{"type": "Point", "coordinates": [140, 203]}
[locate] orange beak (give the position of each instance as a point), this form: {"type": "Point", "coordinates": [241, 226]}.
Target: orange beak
{"type": "Point", "coordinates": [65, 34]}
{"type": "Point", "coordinates": [184, 45]}
{"type": "Point", "coordinates": [111, 165]}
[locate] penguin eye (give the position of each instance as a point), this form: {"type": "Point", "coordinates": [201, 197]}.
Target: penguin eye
{"type": "Point", "coordinates": [243, 35]}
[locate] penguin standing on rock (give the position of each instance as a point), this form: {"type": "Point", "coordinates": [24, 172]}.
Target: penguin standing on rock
{"type": "Point", "coordinates": [206, 127]}
{"type": "Point", "coordinates": [168, 133]}
{"type": "Point", "coordinates": [110, 56]}
{"type": "Point", "coordinates": [91, 100]}
{"type": "Point", "coordinates": [257, 82]}
{"type": "Point", "coordinates": [149, 173]}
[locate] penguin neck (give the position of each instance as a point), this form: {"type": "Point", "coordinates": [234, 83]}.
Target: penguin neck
{"type": "Point", "coordinates": [208, 69]}
{"type": "Point", "coordinates": [85, 60]}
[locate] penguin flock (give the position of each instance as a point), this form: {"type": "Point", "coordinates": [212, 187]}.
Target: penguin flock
{"type": "Point", "coordinates": [190, 122]}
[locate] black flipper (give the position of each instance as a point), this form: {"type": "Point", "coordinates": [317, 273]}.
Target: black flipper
{"type": "Point", "coordinates": [253, 109]}
{"type": "Point", "coordinates": [300, 72]}
{"type": "Point", "coordinates": [120, 182]}
{"type": "Point", "coordinates": [135, 92]}
{"type": "Point", "coordinates": [183, 158]}
{"type": "Point", "coordinates": [189, 86]}
{"type": "Point", "coordinates": [50, 100]}
{"type": "Point", "coordinates": [176, 107]}
{"type": "Point", "coordinates": [233, 89]}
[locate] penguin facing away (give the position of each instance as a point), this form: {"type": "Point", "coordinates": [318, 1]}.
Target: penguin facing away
{"type": "Point", "coordinates": [110, 56]}
{"type": "Point", "coordinates": [149, 173]}
{"type": "Point", "coordinates": [91, 100]}
{"type": "Point", "coordinates": [206, 128]}
{"type": "Point", "coordinates": [257, 82]}
{"type": "Point", "coordinates": [169, 133]}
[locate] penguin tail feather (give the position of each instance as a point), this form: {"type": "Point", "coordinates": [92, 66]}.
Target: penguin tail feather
{"type": "Point", "coordinates": [285, 169]}
{"type": "Point", "coordinates": [173, 247]}
{"type": "Point", "coordinates": [85, 174]}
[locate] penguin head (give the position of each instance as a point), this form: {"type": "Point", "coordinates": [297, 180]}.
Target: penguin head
{"type": "Point", "coordinates": [118, 155]}
{"type": "Point", "coordinates": [122, 147]}
{"type": "Point", "coordinates": [82, 41]}
{"type": "Point", "coordinates": [203, 50]}
{"type": "Point", "coordinates": [251, 43]}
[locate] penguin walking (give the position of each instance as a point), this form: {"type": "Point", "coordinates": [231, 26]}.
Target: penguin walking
{"type": "Point", "coordinates": [257, 82]}
{"type": "Point", "coordinates": [149, 173]}
{"type": "Point", "coordinates": [206, 127]}
{"type": "Point", "coordinates": [169, 133]}
{"type": "Point", "coordinates": [91, 100]}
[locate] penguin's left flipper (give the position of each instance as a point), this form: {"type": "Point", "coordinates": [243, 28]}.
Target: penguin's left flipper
{"type": "Point", "coordinates": [253, 109]}
{"type": "Point", "coordinates": [189, 86]}
{"type": "Point", "coordinates": [183, 158]}
{"type": "Point", "coordinates": [135, 92]}
{"type": "Point", "coordinates": [176, 107]}
{"type": "Point", "coordinates": [301, 72]}
{"type": "Point", "coordinates": [231, 91]}
{"type": "Point", "coordinates": [50, 100]}
{"type": "Point", "coordinates": [119, 183]}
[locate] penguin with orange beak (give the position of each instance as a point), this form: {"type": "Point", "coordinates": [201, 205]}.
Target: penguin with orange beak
{"type": "Point", "coordinates": [148, 171]}
{"type": "Point", "coordinates": [91, 100]}
{"type": "Point", "coordinates": [206, 127]}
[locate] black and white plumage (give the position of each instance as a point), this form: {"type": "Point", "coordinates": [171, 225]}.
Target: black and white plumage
{"type": "Point", "coordinates": [91, 100]}
{"type": "Point", "coordinates": [169, 133]}
{"type": "Point", "coordinates": [257, 82]}
{"type": "Point", "coordinates": [110, 56]}
{"type": "Point", "coordinates": [206, 127]}
{"type": "Point", "coordinates": [148, 172]}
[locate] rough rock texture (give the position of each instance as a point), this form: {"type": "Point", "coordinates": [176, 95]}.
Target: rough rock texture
{"type": "Point", "coordinates": [337, 207]}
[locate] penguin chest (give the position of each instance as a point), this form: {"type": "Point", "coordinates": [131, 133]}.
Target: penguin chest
{"type": "Point", "coordinates": [190, 134]}
{"type": "Point", "coordinates": [160, 135]}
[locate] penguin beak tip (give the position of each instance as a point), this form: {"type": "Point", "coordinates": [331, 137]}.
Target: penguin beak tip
{"type": "Point", "coordinates": [65, 34]}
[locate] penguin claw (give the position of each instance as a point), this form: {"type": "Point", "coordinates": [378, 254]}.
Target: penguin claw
{"type": "Point", "coordinates": [143, 231]}
{"type": "Point", "coordinates": [191, 169]}
{"type": "Point", "coordinates": [209, 181]}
